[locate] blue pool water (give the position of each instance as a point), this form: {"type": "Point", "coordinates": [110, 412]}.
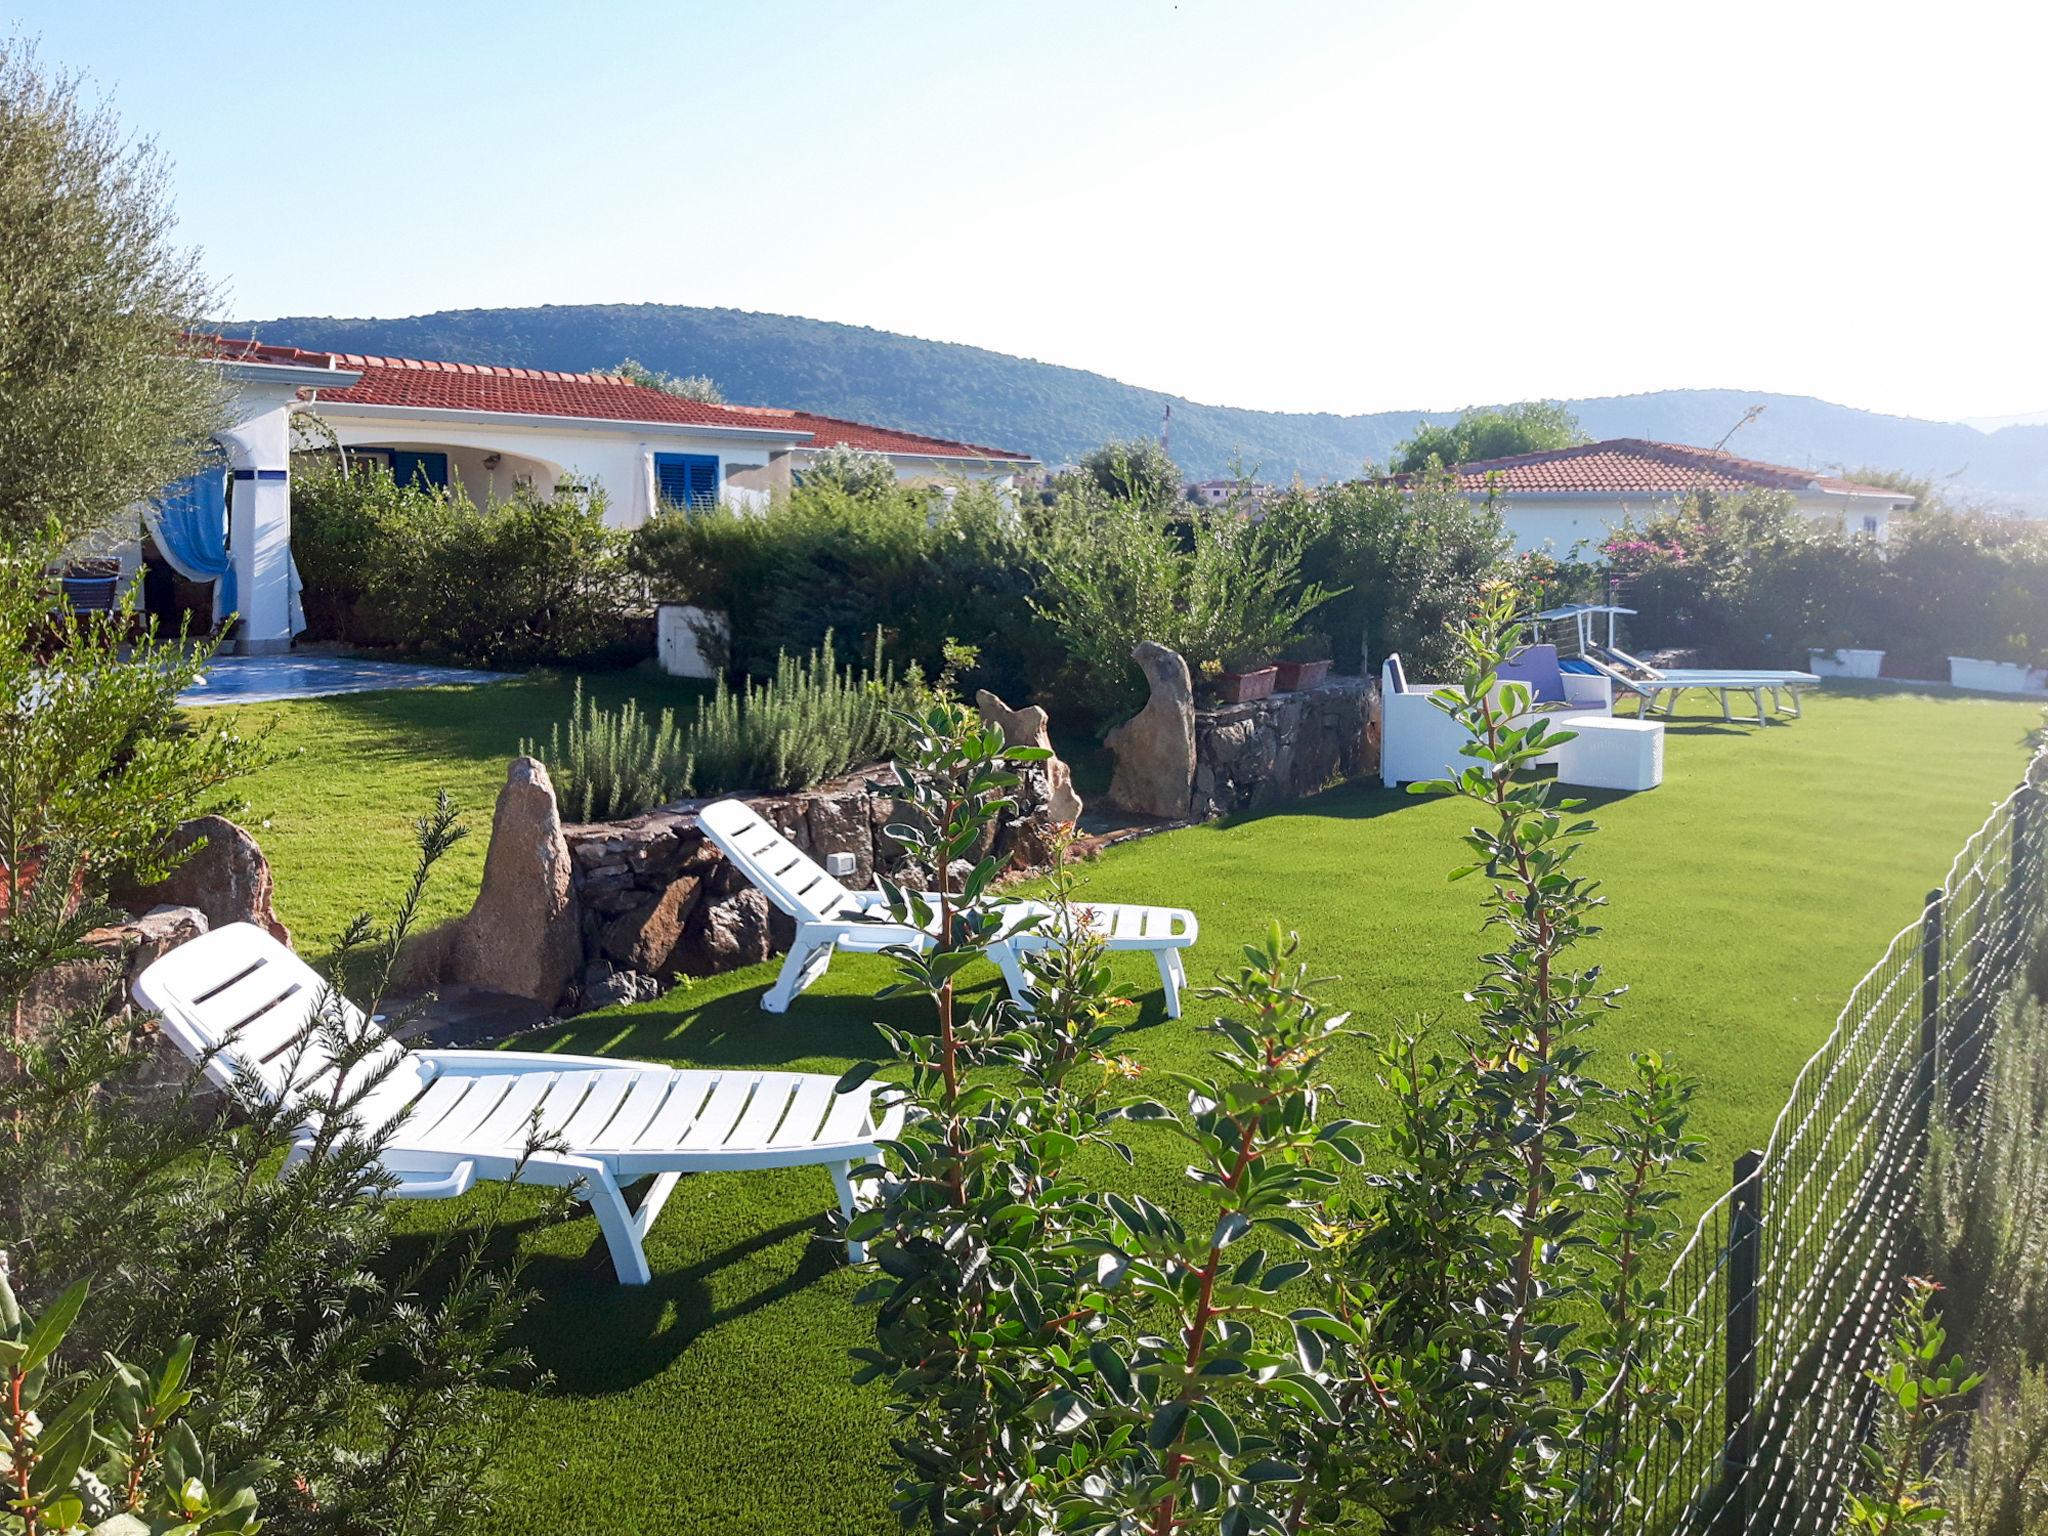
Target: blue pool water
{"type": "Point", "coordinates": [271, 679]}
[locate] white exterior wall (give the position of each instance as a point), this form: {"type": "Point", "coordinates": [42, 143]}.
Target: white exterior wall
{"type": "Point", "coordinates": [923, 469]}
{"type": "Point", "coordinates": [1574, 527]}
{"type": "Point", "coordinates": [260, 514]}
{"type": "Point", "coordinates": [621, 460]}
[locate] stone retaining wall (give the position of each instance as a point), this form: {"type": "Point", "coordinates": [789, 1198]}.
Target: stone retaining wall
{"type": "Point", "coordinates": [1284, 747]}
{"type": "Point", "coordinates": [657, 900]}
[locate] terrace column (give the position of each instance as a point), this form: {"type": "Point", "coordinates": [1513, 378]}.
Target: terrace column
{"type": "Point", "coordinates": [260, 530]}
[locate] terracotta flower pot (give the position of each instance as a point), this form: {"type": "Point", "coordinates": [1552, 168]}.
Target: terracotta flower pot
{"type": "Point", "coordinates": [1243, 687]}
{"type": "Point", "coordinates": [1297, 675]}
{"type": "Point", "coordinates": [26, 876]}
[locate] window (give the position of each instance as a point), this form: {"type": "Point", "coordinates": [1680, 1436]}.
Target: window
{"type": "Point", "coordinates": [686, 479]}
{"type": "Point", "coordinates": [1870, 525]}
{"type": "Point", "coordinates": [409, 466]}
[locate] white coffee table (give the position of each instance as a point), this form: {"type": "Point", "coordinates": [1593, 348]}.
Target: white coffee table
{"type": "Point", "coordinates": [1613, 754]}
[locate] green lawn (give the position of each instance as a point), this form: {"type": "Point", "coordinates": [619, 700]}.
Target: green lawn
{"type": "Point", "coordinates": [335, 807]}
{"type": "Point", "coordinates": [1749, 893]}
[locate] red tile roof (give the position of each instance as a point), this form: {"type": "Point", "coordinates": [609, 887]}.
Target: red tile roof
{"type": "Point", "coordinates": [425, 385]}
{"type": "Point", "coordinates": [1623, 465]}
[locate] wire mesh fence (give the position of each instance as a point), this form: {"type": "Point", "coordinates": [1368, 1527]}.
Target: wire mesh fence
{"type": "Point", "coordinates": [1779, 1304]}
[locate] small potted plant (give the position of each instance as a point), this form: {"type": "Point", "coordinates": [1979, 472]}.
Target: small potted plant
{"type": "Point", "coordinates": [1305, 662]}
{"type": "Point", "coordinates": [1245, 677]}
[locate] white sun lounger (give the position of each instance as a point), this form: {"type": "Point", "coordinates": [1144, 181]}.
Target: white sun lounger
{"type": "Point", "coordinates": [1658, 690]}
{"type": "Point", "coordinates": [244, 1005]}
{"type": "Point", "coordinates": [829, 917]}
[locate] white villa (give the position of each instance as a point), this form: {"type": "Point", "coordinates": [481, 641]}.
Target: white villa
{"type": "Point", "coordinates": [489, 429]}
{"type": "Point", "coordinates": [1567, 500]}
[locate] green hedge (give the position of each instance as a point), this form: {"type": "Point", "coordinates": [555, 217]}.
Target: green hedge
{"type": "Point", "coordinates": [1750, 580]}
{"type": "Point", "coordinates": [523, 581]}
{"type": "Point", "coordinates": [900, 560]}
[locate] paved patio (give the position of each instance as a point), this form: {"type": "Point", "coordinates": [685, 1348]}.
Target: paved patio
{"type": "Point", "coordinates": [271, 679]}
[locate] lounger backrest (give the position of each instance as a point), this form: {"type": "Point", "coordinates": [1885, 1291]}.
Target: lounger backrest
{"type": "Point", "coordinates": [1393, 677]}
{"type": "Point", "coordinates": [1627, 665]}
{"type": "Point", "coordinates": [246, 1006]}
{"type": "Point", "coordinates": [780, 870]}
{"type": "Point", "coordinates": [1536, 666]}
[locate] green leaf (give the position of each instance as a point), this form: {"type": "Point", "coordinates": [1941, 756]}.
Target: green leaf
{"type": "Point", "coordinates": [60, 1460]}
{"type": "Point", "coordinates": [1166, 1425]}
{"type": "Point", "coordinates": [855, 1075]}
{"type": "Point", "coordinates": [56, 1321]}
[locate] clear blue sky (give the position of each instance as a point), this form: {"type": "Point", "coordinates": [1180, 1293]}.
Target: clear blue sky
{"type": "Point", "coordinates": [1310, 206]}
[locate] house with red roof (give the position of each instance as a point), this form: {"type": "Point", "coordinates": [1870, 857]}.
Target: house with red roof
{"type": "Point", "coordinates": [490, 430]}
{"type": "Point", "coordinates": [1567, 500]}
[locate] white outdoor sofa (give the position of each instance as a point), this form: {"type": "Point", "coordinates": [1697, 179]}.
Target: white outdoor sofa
{"type": "Point", "coordinates": [243, 1005]}
{"type": "Point", "coordinates": [829, 917]}
{"type": "Point", "coordinates": [1419, 741]}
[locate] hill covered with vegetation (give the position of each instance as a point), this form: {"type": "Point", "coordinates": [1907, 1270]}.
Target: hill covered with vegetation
{"type": "Point", "coordinates": [1058, 413]}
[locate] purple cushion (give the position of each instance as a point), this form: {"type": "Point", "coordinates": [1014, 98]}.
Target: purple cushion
{"type": "Point", "coordinates": [1537, 666]}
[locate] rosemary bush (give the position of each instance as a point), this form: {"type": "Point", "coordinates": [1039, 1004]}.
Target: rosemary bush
{"type": "Point", "coordinates": [812, 719]}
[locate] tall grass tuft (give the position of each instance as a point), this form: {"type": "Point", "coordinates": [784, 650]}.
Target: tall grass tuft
{"type": "Point", "coordinates": [811, 720]}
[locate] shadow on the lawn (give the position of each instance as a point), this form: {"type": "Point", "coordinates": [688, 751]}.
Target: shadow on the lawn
{"type": "Point", "coordinates": [594, 1335]}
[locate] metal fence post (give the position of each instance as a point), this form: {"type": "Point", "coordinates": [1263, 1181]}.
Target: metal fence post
{"type": "Point", "coordinates": [1928, 1076]}
{"type": "Point", "coordinates": [1745, 1262]}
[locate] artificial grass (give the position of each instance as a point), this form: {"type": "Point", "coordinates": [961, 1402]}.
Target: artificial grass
{"type": "Point", "coordinates": [349, 774]}
{"type": "Point", "coordinates": [1749, 893]}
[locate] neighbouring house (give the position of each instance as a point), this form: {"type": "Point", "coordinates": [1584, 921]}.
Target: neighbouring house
{"type": "Point", "coordinates": [1567, 500]}
{"type": "Point", "coordinates": [489, 429]}
{"type": "Point", "coordinates": [1221, 493]}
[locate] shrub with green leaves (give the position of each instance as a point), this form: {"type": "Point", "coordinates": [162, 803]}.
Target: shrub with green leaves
{"type": "Point", "coordinates": [1298, 1356]}
{"type": "Point", "coordinates": [109, 1449]}
{"type": "Point", "coordinates": [1408, 564]}
{"type": "Point", "coordinates": [1899, 1491]}
{"type": "Point", "coordinates": [353, 1385]}
{"type": "Point", "coordinates": [809, 721]}
{"type": "Point", "coordinates": [918, 566]}
{"type": "Point", "coordinates": [1750, 579]}
{"type": "Point", "coordinates": [976, 1287]}
{"type": "Point", "coordinates": [529, 579]}
{"type": "Point", "coordinates": [1224, 590]}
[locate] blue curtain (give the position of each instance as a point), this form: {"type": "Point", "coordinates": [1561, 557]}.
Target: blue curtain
{"type": "Point", "coordinates": [190, 523]}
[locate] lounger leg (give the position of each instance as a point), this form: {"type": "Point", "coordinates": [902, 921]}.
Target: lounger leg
{"type": "Point", "coordinates": [1171, 977]}
{"type": "Point", "coordinates": [842, 1185]}
{"type": "Point", "coordinates": [621, 1231]}
{"type": "Point", "coordinates": [651, 1203]}
{"type": "Point", "coordinates": [805, 963]}
{"type": "Point", "coordinates": [1011, 964]}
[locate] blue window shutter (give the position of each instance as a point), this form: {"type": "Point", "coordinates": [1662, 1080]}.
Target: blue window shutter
{"type": "Point", "coordinates": [407, 466]}
{"type": "Point", "coordinates": [686, 479]}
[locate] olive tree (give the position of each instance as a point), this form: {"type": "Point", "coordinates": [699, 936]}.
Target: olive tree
{"type": "Point", "coordinates": [103, 398]}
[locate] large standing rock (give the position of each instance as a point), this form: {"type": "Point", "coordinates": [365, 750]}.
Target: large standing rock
{"type": "Point", "coordinates": [1155, 748]}
{"type": "Point", "coordinates": [224, 875]}
{"type": "Point", "coordinates": [1026, 728]}
{"type": "Point", "coordinates": [523, 935]}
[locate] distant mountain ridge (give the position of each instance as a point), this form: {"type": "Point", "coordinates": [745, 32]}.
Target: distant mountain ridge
{"type": "Point", "coordinates": [1057, 414]}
